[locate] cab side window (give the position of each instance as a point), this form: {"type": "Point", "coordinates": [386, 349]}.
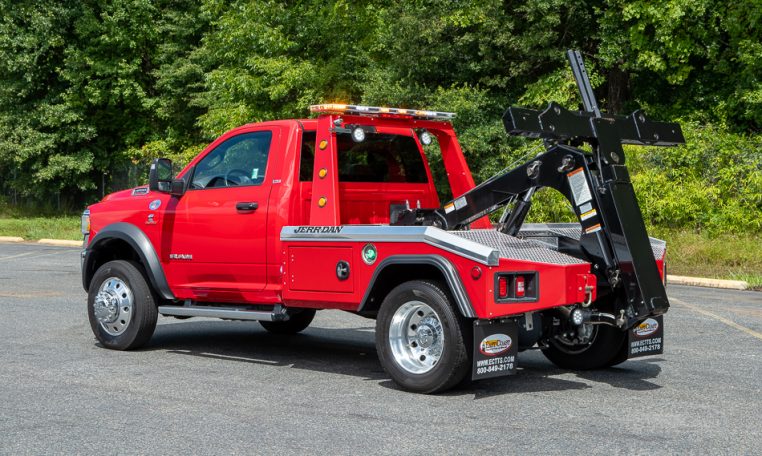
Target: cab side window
{"type": "Point", "coordinates": [240, 160]}
{"type": "Point", "coordinates": [307, 162]}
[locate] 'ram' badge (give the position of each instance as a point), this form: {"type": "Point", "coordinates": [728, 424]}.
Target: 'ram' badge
{"type": "Point", "coordinates": [155, 204]}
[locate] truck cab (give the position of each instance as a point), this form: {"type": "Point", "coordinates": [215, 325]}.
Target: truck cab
{"type": "Point", "coordinates": [276, 220]}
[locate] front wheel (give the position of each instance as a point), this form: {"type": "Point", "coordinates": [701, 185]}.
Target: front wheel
{"type": "Point", "coordinates": [121, 306]}
{"type": "Point", "coordinates": [607, 347]}
{"type": "Point", "coordinates": [420, 339]}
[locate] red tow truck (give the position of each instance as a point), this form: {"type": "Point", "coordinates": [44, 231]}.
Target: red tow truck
{"type": "Point", "coordinates": [275, 220]}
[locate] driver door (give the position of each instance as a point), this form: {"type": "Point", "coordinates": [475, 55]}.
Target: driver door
{"type": "Point", "coordinates": [217, 249]}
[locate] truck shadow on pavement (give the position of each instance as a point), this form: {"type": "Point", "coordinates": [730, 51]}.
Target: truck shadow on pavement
{"type": "Point", "coordinates": [536, 374]}
{"type": "Point", "coordinates": [351, 351]}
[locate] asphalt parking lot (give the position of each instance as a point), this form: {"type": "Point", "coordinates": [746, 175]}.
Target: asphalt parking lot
{"type": "Point", "coordinates": [206, 386]}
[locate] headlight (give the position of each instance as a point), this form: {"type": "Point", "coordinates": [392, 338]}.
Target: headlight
{"type": "Point", "coordinates": [86, 222]}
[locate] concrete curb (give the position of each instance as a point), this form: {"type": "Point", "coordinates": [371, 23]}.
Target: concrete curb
{"type": "Point", "coordinates": [711, 283]}
{"type": "Point", "coordinates": [60, 242]}
{"type": "Point", "coordinates": [11, 239]}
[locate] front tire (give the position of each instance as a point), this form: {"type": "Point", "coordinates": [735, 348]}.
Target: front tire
{"type": "Point", "coordinates": [121, 306]}
{"type": "Point", "coordinates": [607, 348]}
{"type": "Point", "coordinates": [420, 339]}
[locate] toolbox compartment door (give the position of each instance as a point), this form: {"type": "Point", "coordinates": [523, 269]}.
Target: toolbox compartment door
{"type": "Point", "coordinates": [316, 269]}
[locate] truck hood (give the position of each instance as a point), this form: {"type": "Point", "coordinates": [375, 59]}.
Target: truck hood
{"type": "Point", "coordinates": [129, 193]}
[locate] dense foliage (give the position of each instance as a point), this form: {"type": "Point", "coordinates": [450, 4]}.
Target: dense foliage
{"type": "Point", "coordinates": [90, 91]}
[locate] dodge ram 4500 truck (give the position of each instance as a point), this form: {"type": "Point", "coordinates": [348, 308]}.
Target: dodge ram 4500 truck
{"type": "Point", "coordinates": [275, 220]}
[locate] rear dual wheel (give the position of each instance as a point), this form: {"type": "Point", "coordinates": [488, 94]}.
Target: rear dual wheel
{"type": "Point", "coordinates": [607, 347]}
{"type": "Point", "coordinates": [421, 339]}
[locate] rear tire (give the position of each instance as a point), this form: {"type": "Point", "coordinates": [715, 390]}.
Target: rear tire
{"type": "Point", "coordinates": [607, 348]}
{"type": "Point", "coordinates": [297, 322]}
{"type": "Point", "coordinates": [121, 306]}
{"type": "Point", "coordinates": [421, 339]}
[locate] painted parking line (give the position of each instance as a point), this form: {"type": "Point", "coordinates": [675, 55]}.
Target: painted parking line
{"type": "Point", "coordinates": [730, 323]}
{"type": "Point", "coordinates": [17, 256]}
{"type": "Point", "coordinates": [33, 255]}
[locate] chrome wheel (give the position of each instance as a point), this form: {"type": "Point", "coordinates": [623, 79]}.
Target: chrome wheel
{"type": "Point", "coordinates": [113, 306]}
{"type": "Point", "coordinates": [416, 337]}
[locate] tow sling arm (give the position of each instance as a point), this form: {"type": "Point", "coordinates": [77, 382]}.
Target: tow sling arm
{"type": "Point", "coordinates": [596, 183]}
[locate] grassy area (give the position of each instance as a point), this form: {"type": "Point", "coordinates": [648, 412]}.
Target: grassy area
{"type": "Point", "coordinates": [736, 257]}
{"type": "Point", "coordinates": [33, 228]}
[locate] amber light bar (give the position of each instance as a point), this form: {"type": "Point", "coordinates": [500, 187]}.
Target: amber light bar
{"type": "Point", "coordinates": [380, 110]}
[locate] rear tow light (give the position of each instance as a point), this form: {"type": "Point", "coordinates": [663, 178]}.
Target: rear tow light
{"type": "Point", "coordinates": [516, 286]}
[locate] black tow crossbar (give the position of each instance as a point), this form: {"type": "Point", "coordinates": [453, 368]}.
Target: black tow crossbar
{"type": "Point", "coordinates": [596, 183]}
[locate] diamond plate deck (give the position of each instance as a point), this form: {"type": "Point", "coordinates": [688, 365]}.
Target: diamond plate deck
{"type": "Point", "coordinates": [517, 249]}
{"type": "Point", "coordinates": [574, 231]}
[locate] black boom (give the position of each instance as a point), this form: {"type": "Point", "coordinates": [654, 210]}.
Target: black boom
{"type": "Point", "coordinates": [596, 183]}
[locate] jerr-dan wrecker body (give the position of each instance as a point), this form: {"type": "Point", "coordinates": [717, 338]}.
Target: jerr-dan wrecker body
{"type": "Point", "coordinates": [275, 220]}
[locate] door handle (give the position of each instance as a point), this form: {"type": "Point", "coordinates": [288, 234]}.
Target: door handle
{"type": "Point", "coordinates": [246, 207]}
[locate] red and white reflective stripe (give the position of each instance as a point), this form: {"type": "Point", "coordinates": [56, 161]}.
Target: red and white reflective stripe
{"type": "Point", "coordinates": [381, 110]}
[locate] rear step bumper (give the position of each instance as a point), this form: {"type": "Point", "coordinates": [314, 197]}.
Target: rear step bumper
{"type": "Point", "coordinates": [228, 313]}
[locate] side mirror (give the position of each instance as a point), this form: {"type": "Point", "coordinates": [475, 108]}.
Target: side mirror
{"type": "Point", "coordinates": [160, 176]}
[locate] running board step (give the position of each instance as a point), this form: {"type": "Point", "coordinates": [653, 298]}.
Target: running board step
{"type": "Point", "coordinates": [228, 313]}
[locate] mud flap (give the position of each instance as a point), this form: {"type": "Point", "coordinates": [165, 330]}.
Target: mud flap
{"type": "Point", "coordinates": [496, 344]}
{"type": "Point", "coordinates": [646, 338]}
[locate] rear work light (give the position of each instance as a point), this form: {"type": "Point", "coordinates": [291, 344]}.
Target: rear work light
{"type": "Point", "coordinates": [516, 287]}
{"type": "Point", "coordinates": [336, 108]}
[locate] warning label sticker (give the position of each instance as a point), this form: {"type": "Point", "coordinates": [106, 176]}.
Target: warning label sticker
{"type": "Point", "coordinates": [449, 207]}
{"type": "Point", "coordinates": [588, 214]}
{"type": "Point", "coordinates": [593, 229]}
{"type": "Point", "coordinates": [579, 188]}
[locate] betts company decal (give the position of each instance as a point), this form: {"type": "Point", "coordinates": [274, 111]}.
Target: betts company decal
{"type": "Point", "coordinates": [495, 348]}
{"type": "Point", "coordinates": [646, 338]}
{"type": "Point", "coordinates": [646, 328]}
{"type": "Point", "coordinates": [496, 344]}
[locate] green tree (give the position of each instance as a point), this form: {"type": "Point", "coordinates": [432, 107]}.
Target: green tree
{"type": "Point", "coordinates": [268, 60]}
{"type": "Point", "coordinates": [696, 58]}
{"type": "Point", "coordinates": [84, 84]}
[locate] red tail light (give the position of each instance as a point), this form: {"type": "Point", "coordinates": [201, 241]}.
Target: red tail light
{"type": "Point", "coordinates": [502, 287]}
{"type": "Point", "coordinates": [520, 286]}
